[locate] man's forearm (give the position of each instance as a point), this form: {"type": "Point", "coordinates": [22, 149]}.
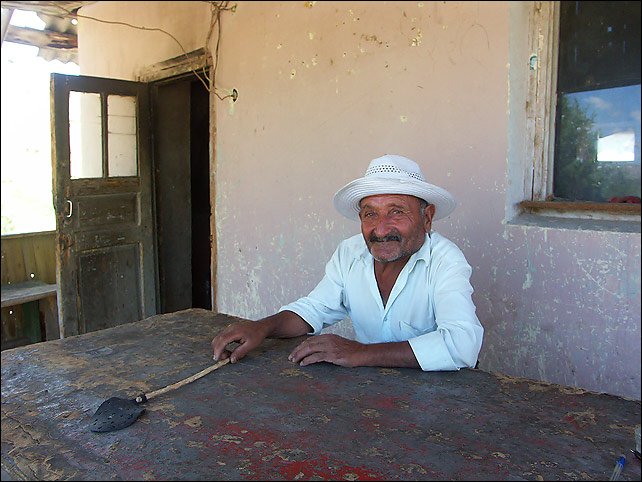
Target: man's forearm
{"type": "Point", "coordinates": [285, 324]}
{"type": "Point", "coordinates": [394, 354]}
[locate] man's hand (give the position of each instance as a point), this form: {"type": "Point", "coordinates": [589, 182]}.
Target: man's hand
{"type": "Point", "coordinates": [249, 335]}
{"type": "Point", "coordinates": [347, 353]}
{"type": "Point", "coordinates": [329, 348]}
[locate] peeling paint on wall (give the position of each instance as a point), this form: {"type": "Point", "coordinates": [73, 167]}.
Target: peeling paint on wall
{"type": "Point", "coordinates": [327, 86]}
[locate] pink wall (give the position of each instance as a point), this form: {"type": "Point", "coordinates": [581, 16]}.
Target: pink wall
{"type": "Point", "coordinates": [324, 87]}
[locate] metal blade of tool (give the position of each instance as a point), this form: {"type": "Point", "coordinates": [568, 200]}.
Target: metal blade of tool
{"type": "Point", "coordinates": [118, 413]}
{"type": "Point", "coordinates": [114, 414]}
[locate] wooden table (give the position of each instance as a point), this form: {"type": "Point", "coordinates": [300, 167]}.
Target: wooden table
{"type": "Point", "coordinates": [266, 418]}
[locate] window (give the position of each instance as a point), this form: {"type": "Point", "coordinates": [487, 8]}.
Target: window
{"type": "Point", "coordinates": [577, 142]}
{"type": "Point", "coordinates": [597, 128]}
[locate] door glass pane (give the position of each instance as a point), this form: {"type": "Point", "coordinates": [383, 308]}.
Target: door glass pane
{"type": "Point", "coordinates": [85, 135]}
{"type": "Point", "coordinates": [121, 116]}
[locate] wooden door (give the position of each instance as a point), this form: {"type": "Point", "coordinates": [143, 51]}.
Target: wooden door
{"type": "Point", "coordinates": [102, 177]}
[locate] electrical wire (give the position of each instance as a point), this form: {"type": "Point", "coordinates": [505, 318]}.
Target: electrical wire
{"type": "Point", "coordinates": [215, 20]}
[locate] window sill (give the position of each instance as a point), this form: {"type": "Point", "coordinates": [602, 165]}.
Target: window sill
{"type": "Point", "coordinates": [580, 216]}
{"type": "Point", "coordinates": [585, 207]}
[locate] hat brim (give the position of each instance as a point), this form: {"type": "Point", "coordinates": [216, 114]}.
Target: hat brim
{"type": "Point", "coordinates": [347, 199]}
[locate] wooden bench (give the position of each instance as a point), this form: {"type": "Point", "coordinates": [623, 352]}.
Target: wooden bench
{"type": "Point", "coordinates": [34, 296]}
{"type": "Point", "coordinates": [19, 293]}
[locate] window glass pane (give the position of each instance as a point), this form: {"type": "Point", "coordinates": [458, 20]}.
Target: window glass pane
{"type": "Point", "coordinates": [85, 135]}
{"type": "Point", "coordinates": [597, 138]}
{"type": "Point", "coordinates": [597, 155]}
{"type": "Point", "coordinates": [122, 135]}
{"type": "Point", "coordinates": [599, 45]}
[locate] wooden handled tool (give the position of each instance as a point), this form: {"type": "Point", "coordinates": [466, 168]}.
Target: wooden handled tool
{"type": "Point", "coordinates": [117, 413]}
{"type": "Point", "coordinates": [173, 386]}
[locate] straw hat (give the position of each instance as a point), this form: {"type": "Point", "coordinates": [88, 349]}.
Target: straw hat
{"type": "Point", "coordinates": [392, 174]}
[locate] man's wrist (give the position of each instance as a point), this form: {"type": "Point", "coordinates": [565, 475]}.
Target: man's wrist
{"type": "Point", "coordinates": [391, 354]}
{"type": "Point", "coordinates": [366, 355]}
{"type": "Point", "coordinates": [267, 326]}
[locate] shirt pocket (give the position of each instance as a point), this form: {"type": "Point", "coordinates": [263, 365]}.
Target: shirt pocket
{"type": "Point", "coordinates": [414, 328]}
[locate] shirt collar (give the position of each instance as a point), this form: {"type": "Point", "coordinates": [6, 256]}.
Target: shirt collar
{"type": "Point", "coordinates": [426, 248]}
{"type": "Point", "coordinates": [423, 254]}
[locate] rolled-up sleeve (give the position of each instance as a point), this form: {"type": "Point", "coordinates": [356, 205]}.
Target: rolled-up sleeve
{"type": "Point", "coordinates": [457, 340]}
{"type": "Point", "coordinates": [324, 305]}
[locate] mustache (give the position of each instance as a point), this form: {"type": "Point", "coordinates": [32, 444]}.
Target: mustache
{"type": "Point", "coordinates": [388, 237]}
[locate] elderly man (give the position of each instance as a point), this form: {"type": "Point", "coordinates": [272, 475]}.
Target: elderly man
{"type": "Point", "coordinates": [405, 287]}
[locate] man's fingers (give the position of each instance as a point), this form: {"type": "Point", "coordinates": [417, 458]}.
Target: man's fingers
{"type": "Point", "coordinates": [312, 345]}
{"type": "Point", "coordinates": [240, 351]}
{"type": "Point", "coordinates": [225, 355]}
{"type": "Point", "coordinates": [314, 358]}
{"type": "Point", "coordinates": [220, 342]}
{"type": "Point", "coordinates": [299, 352]}
{"type": "Point", "coordinates": [324, 348]}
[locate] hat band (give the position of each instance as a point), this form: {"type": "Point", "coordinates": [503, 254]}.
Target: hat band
{"type": "Point", "coordinates": [388, 169]}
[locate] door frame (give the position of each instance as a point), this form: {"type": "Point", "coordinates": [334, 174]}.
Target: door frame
{"type": "Point", "coordinates": [199, 63]}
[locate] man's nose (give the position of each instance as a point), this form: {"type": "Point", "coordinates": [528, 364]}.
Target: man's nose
{"type": "Point", "coordinates": [382, 227]}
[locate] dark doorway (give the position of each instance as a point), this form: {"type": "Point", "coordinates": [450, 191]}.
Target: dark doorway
{"type": "Point", "coordinates": [201, 209]}
{"type": "Point", "coordinates": [180, 112]}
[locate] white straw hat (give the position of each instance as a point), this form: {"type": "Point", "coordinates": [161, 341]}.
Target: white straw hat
{"type": "Point", "coordinates": [392, 174]}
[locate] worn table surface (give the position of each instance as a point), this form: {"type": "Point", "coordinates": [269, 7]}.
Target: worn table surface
{"type": "Point", "coordinates": [266, 418]}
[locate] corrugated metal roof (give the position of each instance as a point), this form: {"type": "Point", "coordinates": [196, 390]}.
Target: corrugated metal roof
{"type": "Point", "coordinates": [58, 18]}
{"type": "Point", "coordinates": [47, 8]}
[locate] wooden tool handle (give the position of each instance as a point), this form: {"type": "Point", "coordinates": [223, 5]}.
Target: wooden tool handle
{"type": "Point", "coordinates": [196, 376]}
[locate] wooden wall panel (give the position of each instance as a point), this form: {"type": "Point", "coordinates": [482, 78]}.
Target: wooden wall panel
{"type": "Point", "coordinates": [25, 257]}
{"type": "Point", "coordinates": [27, 254]}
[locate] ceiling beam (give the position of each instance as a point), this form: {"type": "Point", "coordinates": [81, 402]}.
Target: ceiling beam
{"type": "Point", "coordinates": [47, 39]}
{"type": "Point", "coordinates": [58, 8]}
{"type": "Point", "coordinates": [6, 18]}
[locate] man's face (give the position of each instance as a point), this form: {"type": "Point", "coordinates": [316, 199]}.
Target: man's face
{"type": "Point", "coordinates": [393, 225]}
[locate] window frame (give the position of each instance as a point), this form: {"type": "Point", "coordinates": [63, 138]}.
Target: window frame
{"type": "Point", "coordinates": [541, 100]}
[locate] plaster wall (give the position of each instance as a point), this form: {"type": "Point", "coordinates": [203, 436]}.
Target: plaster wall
{"type": "Point", "coordinates": [118, 39]}
{"type": "Point", "coordinates": [324, 87]}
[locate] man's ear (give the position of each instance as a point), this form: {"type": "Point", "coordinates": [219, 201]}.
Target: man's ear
{"type": "Point", "coordinates": [429, 213]}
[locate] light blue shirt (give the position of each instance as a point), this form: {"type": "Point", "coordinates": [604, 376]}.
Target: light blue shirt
{"type": "Point", "coordinates": [430, 305]}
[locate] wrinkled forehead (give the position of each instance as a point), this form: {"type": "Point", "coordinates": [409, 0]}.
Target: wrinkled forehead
{"type": "Point", "coordinates": [390, 199]}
